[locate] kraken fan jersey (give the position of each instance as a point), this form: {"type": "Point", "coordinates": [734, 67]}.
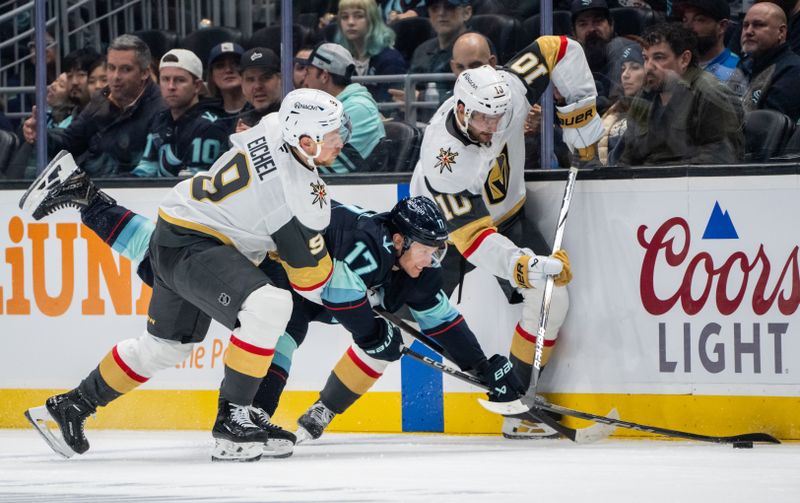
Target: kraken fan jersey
{"type": "Point", "coordinates": [478, 186]}
{"type": "Point", "coordinates": [260, 198]}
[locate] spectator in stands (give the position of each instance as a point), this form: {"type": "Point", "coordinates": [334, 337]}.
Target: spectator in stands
{"type": "Point", "coordinates": [330, 67]}
{"type": "Point", "coordinates": [60, 114]}
{"type": "Point", "coordinates": [709, 19]}
{"type": "Point", "coordinates": [683, 114]}
{"type": "Point", "coordinates": [186, 137]}
{"type": "Point", "coordinates": [109, 136]}
{"type": "Point", "coordinates": [773, 69]}
{"type": "Point", "coordinates": [224, 79]}
{"type": "Point", "coordinates": [98, 78]}
{"type": "Point", "coordinates": [225, 83]}
{"type": "Point", "coordinates": [615, 120]}
{"type": "Point", "coordinates": [300, 67]}
{"type": "Point", "coordinates": [594, 30]}
{"type": "Point", "coordinates": [395, 10]}
{"type": "Point", "coordinates": [77, 65]}
{"type": "Point", "coordinates": [449, 19]}
{"type": "Point", "coordinates": [60, 108]}
{"type": "Point", "coordinates": [51, 54]}
{"type": "Point", "coordinates": [369, 40]}
{"type": "Point", "coordinates": [471, 50]}
{"type": "Point", "coordinates": [261, 78]}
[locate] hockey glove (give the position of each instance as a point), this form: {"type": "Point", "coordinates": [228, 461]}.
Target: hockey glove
{"type": "Point", "coordinates": [530, 271]}
{"type": "Point", "coordinates": [565, 276]}
{"type": "Point", "coordinates": [503, 383]}
{"type": "Point", "coordinates": [387, 346]}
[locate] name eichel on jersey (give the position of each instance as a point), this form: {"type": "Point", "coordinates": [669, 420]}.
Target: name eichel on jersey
{"type": "Point", "coordinates": [261, 157]}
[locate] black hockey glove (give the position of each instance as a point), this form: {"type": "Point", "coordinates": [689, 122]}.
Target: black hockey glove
{"type": "Point", "coordinates": [504, 385]}
{"type": "Point", "coordinates": [388, 345]}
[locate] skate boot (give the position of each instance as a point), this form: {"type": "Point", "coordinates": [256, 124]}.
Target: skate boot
{"type": "Point", "coordinates": [69, 412]}
{"type": "Point", "coordinates": [237, 437]}
{"type": "Point", "coordinates": [311, 424]}
{"type": "Point", "coordinates": [528, 428]}
{"type": "Point", "coordinates": [281, 442]}
{"type": "Point", "coordinates": [62, 184]}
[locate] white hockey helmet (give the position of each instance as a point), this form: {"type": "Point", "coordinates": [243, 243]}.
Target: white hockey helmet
{"type": "Point", "coordinates": [482, 90]}
{"type": "Point", "coordinates": [312, 113]}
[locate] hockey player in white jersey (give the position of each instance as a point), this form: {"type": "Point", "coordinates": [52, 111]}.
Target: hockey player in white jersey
{"type": "Point", "coordinates": [472, 162]}
{"type": "Point", "coordinates": [264, 196]}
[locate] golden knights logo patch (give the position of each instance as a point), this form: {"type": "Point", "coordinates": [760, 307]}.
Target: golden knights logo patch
{"type": "Point", "coordinates": [446, 159]}
{"type": "Point", "coordinates": [320, 193]}
{"type": "Point", "coordinates": [496, 186]}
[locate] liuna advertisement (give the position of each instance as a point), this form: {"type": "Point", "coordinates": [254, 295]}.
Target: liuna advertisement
{"type": "Point", "coordinates": [683, 312]}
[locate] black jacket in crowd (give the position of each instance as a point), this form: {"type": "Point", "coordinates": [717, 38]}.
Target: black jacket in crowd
{"type": "Point", "coordinates": [773, 82]}
{"type": "Point", "coordinates": [105, 140]}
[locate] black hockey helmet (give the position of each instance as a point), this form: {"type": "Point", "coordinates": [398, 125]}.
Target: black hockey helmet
{"type": "Point", "coordinates": [419, 219]}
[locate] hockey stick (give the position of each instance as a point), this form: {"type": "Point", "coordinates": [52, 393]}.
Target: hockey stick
{"type": "Point", "coordinates": [549, 285]}
{"type": "Point", "coordinates": [745, 438]}
{"type": "Point", "coordinates": [583, 435]}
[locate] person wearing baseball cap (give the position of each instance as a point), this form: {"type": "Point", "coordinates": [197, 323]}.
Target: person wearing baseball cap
{"type": "Point", "coordinates": [186, 137]}
{"type": "Point", "coordinates": [709, 20]}
{"type": "Point", "coordinates": [330, 68]}
{"type": "Point", "coordinates": [224, 79]}
{"type": "Point", "coordinates": [261, 78]}
{"type": "Point", "coordinates": [593, 27]}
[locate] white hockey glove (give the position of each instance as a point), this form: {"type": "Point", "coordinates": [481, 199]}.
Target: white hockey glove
{"type": "Point", "coordinates": [581, 127]}
{"type": "Point", "coordinates": [530, 271]}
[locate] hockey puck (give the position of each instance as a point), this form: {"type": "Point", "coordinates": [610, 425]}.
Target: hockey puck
{"type": "Point", "coordinates": [743, 444]}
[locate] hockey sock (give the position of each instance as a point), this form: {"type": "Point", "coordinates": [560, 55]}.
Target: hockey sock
{"type": "Point", "coordinates": [353, 375]}
{"type": "Point", "coordinates": [523, 349]}
{"type": "Point", "coordinates": [271, 387]}
{"type": "Point", "coordinates": [125, 231]}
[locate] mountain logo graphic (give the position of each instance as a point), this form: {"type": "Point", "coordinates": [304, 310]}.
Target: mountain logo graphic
{"type": "Point", "coordinates": [720, 225]}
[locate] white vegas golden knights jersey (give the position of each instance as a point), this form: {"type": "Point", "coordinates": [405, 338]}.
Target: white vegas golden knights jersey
{"type": "Point", "coordinates": [477, 187]}
{"type": "Point", "coordinates": [260, 198]}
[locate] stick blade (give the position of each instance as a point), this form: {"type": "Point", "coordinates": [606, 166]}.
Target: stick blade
{"type": "Point", "coordinates": [504, 408]}
{"type": "Point", "coordinates": [753, 437]}
{"type": "Point", "coordinates": [597, 431]}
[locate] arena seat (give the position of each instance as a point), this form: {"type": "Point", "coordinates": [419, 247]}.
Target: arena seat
{"type": "Point", "coordinates": [766, 133]}
{"type": "Point", "coordinates": [410, 33]}
{"type": "Point", "coordinates": [402, 142]}
{"type": "Point", "coordinates": [270, 37]}
{"type": "Point", "coordinates": [203, 40]}
{"type": "Point", "coordinates": [159, 41]}
{"type": "Point", "coordinates": [631, 20]}
{"type": "Point", "coordinates": [562, 25]}
{"type": "Point", "coordinates": [505, 32]}
{"type": "Point", "coordinates": [8, 144]}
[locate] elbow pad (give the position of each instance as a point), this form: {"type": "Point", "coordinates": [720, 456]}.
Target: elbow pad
{"type": "Point", "coordinates": [580, 124]}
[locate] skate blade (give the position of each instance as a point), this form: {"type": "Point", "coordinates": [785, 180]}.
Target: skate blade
{"type": "Point", "coordinates": [303, 435]}
{"type": "Point", "coordinates": [225, 450]}
{"type": "Point", "coordinates": [58, 170]}
{"type": "Point", "coordinates": [505, 408]}
{"type": "Point", "coordinates": [596, 431]}
{"type": "Point", "coordinates": [278, 448]}
{"type": "Point", "coordinates": [38, 417]}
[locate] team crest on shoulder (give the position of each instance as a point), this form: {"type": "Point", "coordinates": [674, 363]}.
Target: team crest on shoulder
{"type": "Point", "coordinates": [445, 160]}
{"type": "Point", "coordinates": [320, 193]}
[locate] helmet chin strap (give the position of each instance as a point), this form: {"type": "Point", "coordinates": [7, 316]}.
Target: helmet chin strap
{"type": "Point", "coordinates": [310, 158]}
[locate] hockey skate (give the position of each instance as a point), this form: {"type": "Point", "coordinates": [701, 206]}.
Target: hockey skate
{"type": "Point", "coordinates": [528, 429]}
{"type": "Point", "coordinates": [62, 184]}
{"type": "Point", "coordinates": [237, 437]}
{"type": "Point", "coordinates": [69, 412]}
{"type": "Point", "coordinates": [280, 443]}
{"type": "Point", "coordinates": [311, 424]}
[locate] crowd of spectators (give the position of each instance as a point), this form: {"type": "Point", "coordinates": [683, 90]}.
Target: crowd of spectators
{"type": "Point", "coordinates": [678, 90]}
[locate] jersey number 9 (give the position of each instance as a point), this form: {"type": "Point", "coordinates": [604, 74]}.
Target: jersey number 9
{"type": "Point", "coordinates": [232, 178]}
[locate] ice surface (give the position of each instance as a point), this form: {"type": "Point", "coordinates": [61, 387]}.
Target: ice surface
{"type": "Point", "coordinates": [146, 466]}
